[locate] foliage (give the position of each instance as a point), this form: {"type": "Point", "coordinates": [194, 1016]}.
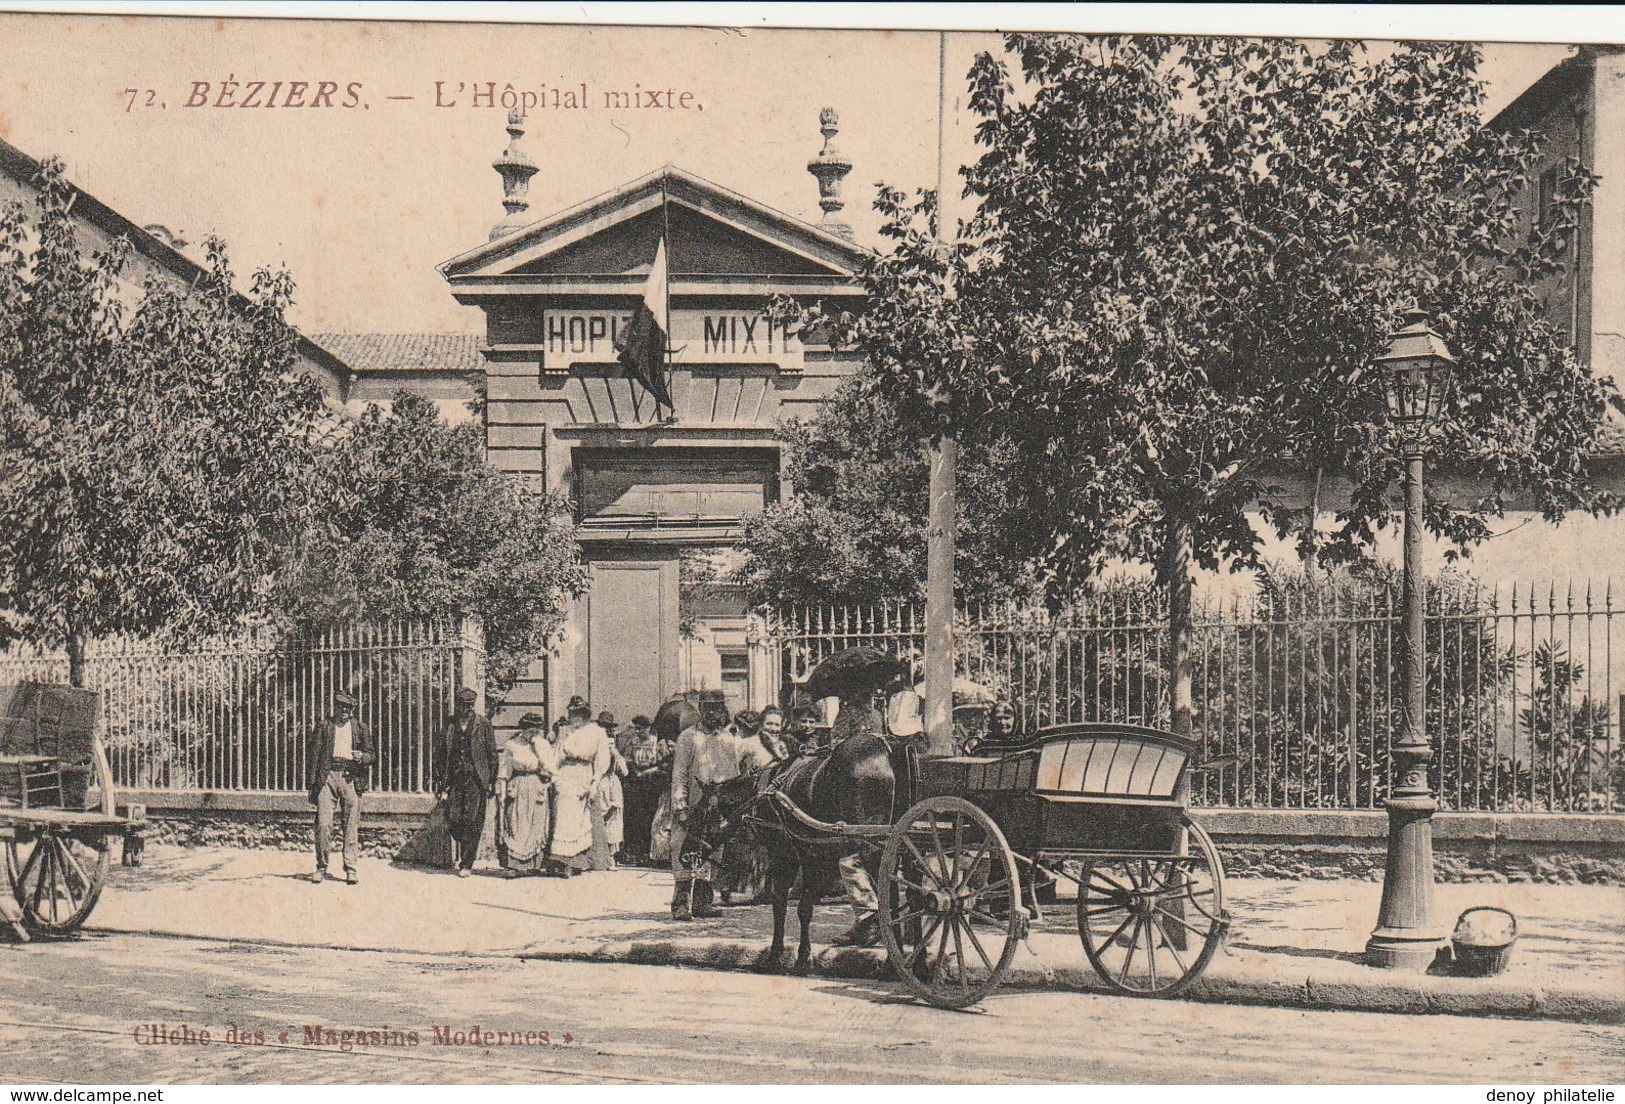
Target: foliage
{"type": "Point", "coordinates": [157, 458]}
{"type": "Point", "coordinates": [1185, 255]}
{"type": "Point", "coordinates": [422, 527]}
{"type": "Point", "coordinates": [1571, 764]}
{"type": "Point", "coordinates": [854, 532]}
{"type": "Point", "coordinates": [1226, 230]}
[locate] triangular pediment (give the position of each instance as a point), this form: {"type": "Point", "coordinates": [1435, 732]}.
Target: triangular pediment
{"type": "Point", "coordinates": [711, 232]}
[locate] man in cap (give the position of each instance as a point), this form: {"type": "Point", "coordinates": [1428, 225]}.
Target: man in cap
{"type": "Point", "coordinates": [707, 756]}
{"type": "Point", "coordinates": [465, 771]}
{"type": "Point", "coordinates": [339, 751]}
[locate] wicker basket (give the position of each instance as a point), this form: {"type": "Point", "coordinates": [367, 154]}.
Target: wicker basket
{"type": "Point", "coordinates": [1479, 955]}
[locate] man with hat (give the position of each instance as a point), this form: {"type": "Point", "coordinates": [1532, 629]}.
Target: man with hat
{"type": "Point", "coordinates": [465, 771]}
{"type": "Point", "coordinates": [339, 751]}
{"type": "Point", "coordinates": [707, 756]}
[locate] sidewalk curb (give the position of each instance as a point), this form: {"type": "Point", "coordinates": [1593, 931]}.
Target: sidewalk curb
{"type": "Point", "coordinates": [1405, 995]}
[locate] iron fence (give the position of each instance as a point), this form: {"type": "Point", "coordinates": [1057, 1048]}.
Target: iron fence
{"type": "Point", "coordinates": [1296, 692]}
{"type": "Point", "coordinates": [235, 714]}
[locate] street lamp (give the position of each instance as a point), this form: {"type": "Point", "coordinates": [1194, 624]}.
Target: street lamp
{"type": "Point", "coordinates": [1416, 367]}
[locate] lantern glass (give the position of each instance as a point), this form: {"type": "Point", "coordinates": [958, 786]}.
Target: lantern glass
{"type": "Point", "coordinates": [1415, 391]}
{"type": "Point", "coordinates": [1416, 365]}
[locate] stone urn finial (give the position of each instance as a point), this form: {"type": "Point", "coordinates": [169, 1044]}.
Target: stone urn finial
{"type": "Point", "coordinates": [516, 168]}
{"type": "Point", "coordinates": [830, 168]}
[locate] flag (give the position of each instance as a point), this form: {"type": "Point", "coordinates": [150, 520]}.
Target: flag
{"type": "Point", "coordinates": [643, 352]}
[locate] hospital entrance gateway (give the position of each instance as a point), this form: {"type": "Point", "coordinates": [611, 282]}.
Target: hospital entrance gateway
{"type": "Point", "coordinates": [660, 494]}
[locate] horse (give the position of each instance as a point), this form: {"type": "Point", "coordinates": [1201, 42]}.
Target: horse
{"type": "Point", "coordinates": [858, 781]}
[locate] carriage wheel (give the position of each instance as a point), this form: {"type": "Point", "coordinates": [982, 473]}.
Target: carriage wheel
{"type": "Point", "coordinates": [1151, 925]}
{"type": "Point", "coordinates": [56, 878]}
{"type": "Point", "coordinates": [948, 884]}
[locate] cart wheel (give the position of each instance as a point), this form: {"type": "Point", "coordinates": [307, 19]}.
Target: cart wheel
{"type": "Point", "coordinates": [1151, 925]}
{"type": "Point", "coordinates": [56, 878]}
{"type": "Point", "coordinates": [950, 902]}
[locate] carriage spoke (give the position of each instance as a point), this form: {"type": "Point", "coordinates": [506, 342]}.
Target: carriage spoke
{"type": "Point", "coordinates": [925, 864]}
{"type": "Point", "coordinates": [1187, 925]}
{"type": "Point", "coordinates": [41, 871]}
{"type": "Point", "coordinates": [985, 917]}
{"type": "Point", "coordinates": [898, 879]}
{"type": "Point", "coordinates": [959, 952]}
{"type": "Point", "coordinates": [1151, 951]}
{"type": "Point", "coordinates": [977, 943]}
{"type": "Point", "coordinates": [975, 863]}
{"type": "Point", "coordinates": [909, 914]}
{"type": "Point", "coordinates": [993, 889]}
{"type": "Point", "coordinates": [1128, 959]}
{"type": "Point", "coordinates": [942, 953]}
{"type": "Point", "coordinates": [63, 858]}
{"type": "Point", "coordinates": [924, 944]}
{"type": "Point", "coordinates": [1169, 943]}
{"type": "Point", "coordinates": [53, 864]}
{"type": "Point", "coordinates": [25, 879]}
{"type": "Point", "coordinates": [936, 842]}
{"type": "Point", "coordinates": [1116, 935]}
{"type": "Point", "coordinates": [84, 879]}
{"type": "Point", "coordinates": [1112, 885]}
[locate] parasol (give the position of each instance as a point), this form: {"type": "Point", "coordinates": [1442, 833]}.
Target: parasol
{"type": "Point", "coordinates": [674, 716]}
{"type": "Point", "coordinates": [854, 673]}
{"type": "Point", "coordinates": [680, 712]}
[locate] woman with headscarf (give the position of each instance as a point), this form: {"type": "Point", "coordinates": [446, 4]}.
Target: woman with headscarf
{"type": "Point", "coordinates": [524, 792]}
{"type": "Point", "coordinates": [580, 838]}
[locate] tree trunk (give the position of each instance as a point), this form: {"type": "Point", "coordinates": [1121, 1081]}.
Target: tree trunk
{"type": "Point", "coordinates": [1309, 538]}
{"type": "Point", "coordinates": [1175, 572]}
{"type": "Point", "coordinates": [76, 658]}
{"type": "Point", "coordinates": [939, 600]}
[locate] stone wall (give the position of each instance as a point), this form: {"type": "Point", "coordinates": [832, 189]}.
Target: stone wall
{"type": "Point", "coordinates": [1252, 843]}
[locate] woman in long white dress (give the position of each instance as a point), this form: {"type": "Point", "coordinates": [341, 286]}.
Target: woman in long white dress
{"type": "Point", "coordinates": [580, 838]}
{"type": "Point", "coordinates": [524, 796]}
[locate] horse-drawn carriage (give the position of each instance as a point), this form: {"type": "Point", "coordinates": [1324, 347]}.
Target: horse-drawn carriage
{"type": "Point", "coordinates": [966, 848]}
{"type": "Point", "coordinates": [56, 806]}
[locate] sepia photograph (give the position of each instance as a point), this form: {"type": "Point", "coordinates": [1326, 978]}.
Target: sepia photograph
{"type": "Point", "coordinates": [627, 546]}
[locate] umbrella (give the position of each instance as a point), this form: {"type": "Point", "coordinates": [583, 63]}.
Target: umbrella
{"type": "Point", "coordinates": [853, 673]}
{"type": "Point", "coordinates": [674, 716]}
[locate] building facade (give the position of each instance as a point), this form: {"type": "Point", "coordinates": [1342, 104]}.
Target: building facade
{"type": "Point", "coordinates": [154, 250]}
{"type": "Point", "coordinates": [660, 494]}
{"type": "Point", "coordinates": [1576, 113]}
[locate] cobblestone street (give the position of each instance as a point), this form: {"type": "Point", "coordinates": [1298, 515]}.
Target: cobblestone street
{"type": "Point", "coordinates": [70, 1013]}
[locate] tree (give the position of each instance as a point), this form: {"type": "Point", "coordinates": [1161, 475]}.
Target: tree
{"type": "Point", "coordinates": [423, 527]}
{"type": "Point", "coordinates": [1186, 253]}
{"type": "Point", "coordinates": [854, 532]}
{"type": "Point", "coordinates": [156, 458]}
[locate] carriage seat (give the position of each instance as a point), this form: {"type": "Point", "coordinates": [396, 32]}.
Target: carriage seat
{"type": "Point", "coordinates": [47, 745]}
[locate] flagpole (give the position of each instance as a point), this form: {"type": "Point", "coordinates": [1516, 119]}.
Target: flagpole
{"type": "Point", "coordinates": [665, 353]}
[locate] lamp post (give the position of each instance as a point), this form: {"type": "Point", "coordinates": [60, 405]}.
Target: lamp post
{"type": "Point", "coordinates": [1416, 366]}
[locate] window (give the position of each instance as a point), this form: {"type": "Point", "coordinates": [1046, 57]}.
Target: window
{"type": "Point", "coordinates": [1546, 197]}
{"type": "Point", "coordinates": [735, 677]}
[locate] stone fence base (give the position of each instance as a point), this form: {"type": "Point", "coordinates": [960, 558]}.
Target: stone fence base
{"type": "Point", "coordinates": [1261, 843]}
